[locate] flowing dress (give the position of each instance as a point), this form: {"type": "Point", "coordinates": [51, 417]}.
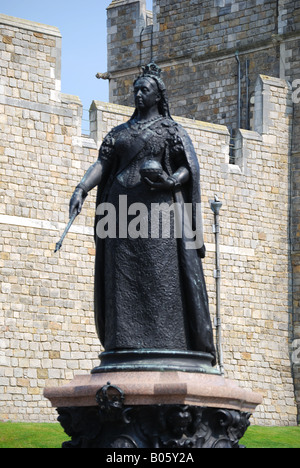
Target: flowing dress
{"type": "Point", "coordinates": [150, 291]}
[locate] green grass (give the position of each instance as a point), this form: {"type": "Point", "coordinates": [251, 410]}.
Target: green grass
{"type": "Point", "coordinates": [31, 435]}
{"type": "Point", "coordinates": [23, 435]}
{"type": "Point", "coordinates": [272, 437]}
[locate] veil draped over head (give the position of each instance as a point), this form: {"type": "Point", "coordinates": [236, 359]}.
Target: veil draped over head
{"type": "Point", "coordinates": [153, 72]}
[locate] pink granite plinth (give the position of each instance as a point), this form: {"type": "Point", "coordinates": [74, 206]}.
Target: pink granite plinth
{"type": "Point", "coordinates": [157, 388]}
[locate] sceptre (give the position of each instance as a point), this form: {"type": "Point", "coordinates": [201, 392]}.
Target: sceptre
{"type": "Point", "coordinates": [68, 227]}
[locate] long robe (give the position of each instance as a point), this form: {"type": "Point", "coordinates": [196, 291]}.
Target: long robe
{"type": "Point", "coordinates": [151, 293]}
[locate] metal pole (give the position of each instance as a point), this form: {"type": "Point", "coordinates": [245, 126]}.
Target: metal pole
{"type": "Point", "coordinates": [247, 95]}
{"type": "Point", "coordinates": [152, 44]}
{"type": "Point", "coordinates": [239, 90]}
{"type": "Point", "coordinates": [141, 34]}
{"type": "Point", "coordinates": [216, 205]}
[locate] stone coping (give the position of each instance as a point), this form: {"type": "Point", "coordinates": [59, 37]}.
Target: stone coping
{"type": "Point", "coordinates": [30, 25]}
{"type": "Point", "coordinates": [188, 123]}
{"type": "Point", "coordinates": [117, 3]}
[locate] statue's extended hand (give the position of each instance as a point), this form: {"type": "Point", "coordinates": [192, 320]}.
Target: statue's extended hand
{"type": "Point", "coordinates": [76, 202]}
{"type": "Point", "coordinates": [163, 182]}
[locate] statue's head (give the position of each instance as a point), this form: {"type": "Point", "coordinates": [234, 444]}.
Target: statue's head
{"type": "Point", "coordinates": [151, 78]}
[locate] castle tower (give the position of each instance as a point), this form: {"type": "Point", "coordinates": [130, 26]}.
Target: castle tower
{"type": "Point", "coordinates": [199, 46]}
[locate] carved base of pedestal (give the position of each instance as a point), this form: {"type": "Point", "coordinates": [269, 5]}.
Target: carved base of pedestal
{"type": "Point", "coordinates": [153, 410]}
{"type": "Point", "coordinates": [159, 427]}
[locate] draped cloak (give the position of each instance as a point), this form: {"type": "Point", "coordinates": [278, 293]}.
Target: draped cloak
{"type": "Point", "coordinates": [189, 254]}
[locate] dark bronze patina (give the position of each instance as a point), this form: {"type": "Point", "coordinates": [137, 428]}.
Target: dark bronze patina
{"type": "Point", "coordinates": [150, 294]}
{"type": "Point", "coordinates": [174, 427]}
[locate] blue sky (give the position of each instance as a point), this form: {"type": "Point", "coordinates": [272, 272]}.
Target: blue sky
{"type": "Point", "coordinates": [83, 28]}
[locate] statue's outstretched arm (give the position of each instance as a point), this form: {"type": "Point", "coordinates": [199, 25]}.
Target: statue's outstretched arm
{"type": "Point", "coordinates": [91, 179]}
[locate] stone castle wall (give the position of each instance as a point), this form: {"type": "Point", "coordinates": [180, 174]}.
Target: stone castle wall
{"type": "Point", "coordinates": [46, 300]}
{"type": "Point", "coordinates": [46, 317]}
{"type": "Point", "coordinates": [195, 43]}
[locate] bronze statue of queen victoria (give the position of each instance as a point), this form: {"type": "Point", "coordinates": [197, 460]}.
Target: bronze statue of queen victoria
{"type": "Point", "coordinates": [150, 293]}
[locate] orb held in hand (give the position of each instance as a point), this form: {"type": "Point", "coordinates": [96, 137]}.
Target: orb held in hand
{"type": "Point", "coordinates": [151, 169]}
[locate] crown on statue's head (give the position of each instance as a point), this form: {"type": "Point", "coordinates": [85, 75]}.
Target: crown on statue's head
{"type": "Point", "coordinates": [151, 70]}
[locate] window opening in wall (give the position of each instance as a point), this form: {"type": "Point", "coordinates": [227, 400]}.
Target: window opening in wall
{"type": "Point", "coordinates": [232, 145]}
{"type": "Point", "coordinates": [251, 111]}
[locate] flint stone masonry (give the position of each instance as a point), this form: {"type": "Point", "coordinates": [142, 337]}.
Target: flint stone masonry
{"type": "Point", "coordinates": [46, 313]}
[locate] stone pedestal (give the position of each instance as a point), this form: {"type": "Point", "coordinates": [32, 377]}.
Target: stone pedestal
{"type": "Point", "coordinates": [153, 410]}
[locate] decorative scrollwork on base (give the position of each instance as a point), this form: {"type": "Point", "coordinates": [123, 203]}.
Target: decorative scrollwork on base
{"type": "Point", "coordinates": [113, 425]}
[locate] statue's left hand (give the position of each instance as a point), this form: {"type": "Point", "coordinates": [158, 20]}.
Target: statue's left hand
{"type": "Point", "coordinates": [164, 182]}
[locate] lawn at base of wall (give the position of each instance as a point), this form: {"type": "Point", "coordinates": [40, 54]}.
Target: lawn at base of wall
{"type": "Point", "coordinates": [35, 435]}
{"type": "Point", "coordinates": [31, 435]}
{"type": "Point", "coordinates": [272, 437]}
